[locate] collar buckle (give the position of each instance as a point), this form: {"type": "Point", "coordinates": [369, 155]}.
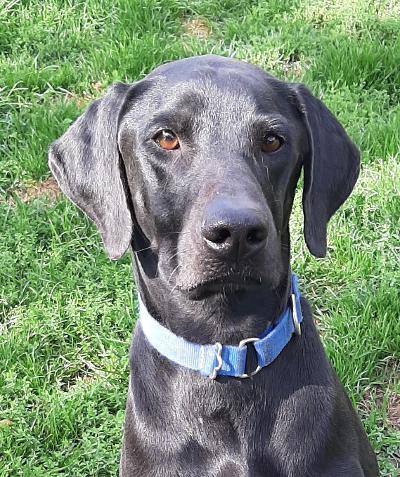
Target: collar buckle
{"type": "Point", "coordinates": [241, 345]}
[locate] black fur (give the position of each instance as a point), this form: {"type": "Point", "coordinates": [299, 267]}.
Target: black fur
{"type": "Point", "coordinates": [293, 418]}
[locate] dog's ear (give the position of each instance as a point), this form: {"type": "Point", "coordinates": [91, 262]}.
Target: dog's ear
{"type": "Point", "coordinates": [331, 167]}
{"type": "Point", "coordinates": [86, 164]}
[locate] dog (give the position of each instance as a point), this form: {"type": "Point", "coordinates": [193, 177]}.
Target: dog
{"type": "Point", "coordinates": [195, 168]}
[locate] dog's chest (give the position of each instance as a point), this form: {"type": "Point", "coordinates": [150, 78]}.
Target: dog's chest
{"type": "Point", "coordinates": [189, 425]}
{"type": "Point", "coordinates": [211, 431]}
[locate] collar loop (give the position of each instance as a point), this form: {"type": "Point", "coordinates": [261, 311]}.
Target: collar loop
{"type": "Point", "coordinates": [244, 343]}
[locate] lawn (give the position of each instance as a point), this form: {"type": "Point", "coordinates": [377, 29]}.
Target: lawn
{"type": "Point", "coordinates": [67, 313]}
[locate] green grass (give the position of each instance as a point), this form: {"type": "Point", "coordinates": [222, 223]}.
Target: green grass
{"type": "Point", "coordinates": [66, 312]}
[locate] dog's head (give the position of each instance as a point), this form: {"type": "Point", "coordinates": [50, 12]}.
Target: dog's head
{"type": "Point", "coordinates": [197, 165]}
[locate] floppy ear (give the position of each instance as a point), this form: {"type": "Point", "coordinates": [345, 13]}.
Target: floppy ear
{"type": "Point", "coordinates": [331, 167]}
{"type": "Point", "coordinates": [86, 163]}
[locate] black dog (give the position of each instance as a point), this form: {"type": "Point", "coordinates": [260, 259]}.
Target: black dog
{"type": "Point", "coordinates": [195, 167]}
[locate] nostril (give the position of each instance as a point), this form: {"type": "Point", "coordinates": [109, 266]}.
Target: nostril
{"type": "Point", "coordinates": [220, 235]}
{"type": "Point", "coordinates": [256, 235]}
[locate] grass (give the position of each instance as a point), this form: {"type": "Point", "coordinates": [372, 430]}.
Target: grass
{"type": "Point", "coordinates": [66, 312]}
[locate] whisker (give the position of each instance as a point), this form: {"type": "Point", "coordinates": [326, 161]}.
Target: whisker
{"type": "Point", "coordinates": [177, 252]}
{"type": "Point", "coordinates": [143, 249]}
{"type": "Point", "coordinates": [173, 271]}
{"type": "Point", "coordinates": [173, 256]}
{"type": "Point", "coordinates": [173, 288]}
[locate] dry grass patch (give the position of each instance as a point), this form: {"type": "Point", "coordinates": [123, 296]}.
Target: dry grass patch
{"type": "Point", "coordinates": [394, 411]}
{"type": "Point", "coordinates": [197, 27]}
{"type": "Point", "coordinates": [81, 101]}
{"type": "Point", "coordinates": [48, 188]}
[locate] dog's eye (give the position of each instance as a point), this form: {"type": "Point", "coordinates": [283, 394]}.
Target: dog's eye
{"type": "Point", "coordinates": [271, 143]}
{"type": "Point", "coordinates": [167, 140]}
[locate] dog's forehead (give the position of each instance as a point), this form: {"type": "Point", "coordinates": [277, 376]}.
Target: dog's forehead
{"type": "Point", "coordinates": [195, 66]}
{"type": "Point", "coordinates": [226, 74]}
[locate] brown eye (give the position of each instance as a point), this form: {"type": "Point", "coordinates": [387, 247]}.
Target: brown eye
{"type": "Point", "coordinates": [167, 140]}
{"type": "Point", "coordinates": [271, 143]}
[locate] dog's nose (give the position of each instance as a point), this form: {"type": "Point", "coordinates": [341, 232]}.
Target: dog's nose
{"type": "Point", "coordinates": [234, 231]}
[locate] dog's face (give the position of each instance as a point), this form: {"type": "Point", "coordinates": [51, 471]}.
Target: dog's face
{"type": "Point", "coordinates": [196, 167]}
{"type": "Point", "coordinates": [211, 169]}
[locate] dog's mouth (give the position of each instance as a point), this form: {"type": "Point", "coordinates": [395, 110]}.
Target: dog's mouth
{"type": "Point", "coordinates": [224, 284]}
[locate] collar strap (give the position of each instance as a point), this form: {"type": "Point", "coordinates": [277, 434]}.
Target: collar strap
{"type": "Point", "coordinates": [214, 360]}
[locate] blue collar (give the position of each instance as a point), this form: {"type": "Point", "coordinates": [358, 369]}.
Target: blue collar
{"type": "Point", "coordinates": [214, 360]}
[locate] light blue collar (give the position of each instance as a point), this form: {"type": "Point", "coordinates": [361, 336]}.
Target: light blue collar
{"type": "Point", "coordinates": [214, 360]}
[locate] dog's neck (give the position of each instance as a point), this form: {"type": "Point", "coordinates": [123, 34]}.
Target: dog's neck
{"type": "Point", "coordinates": [227, 318]}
